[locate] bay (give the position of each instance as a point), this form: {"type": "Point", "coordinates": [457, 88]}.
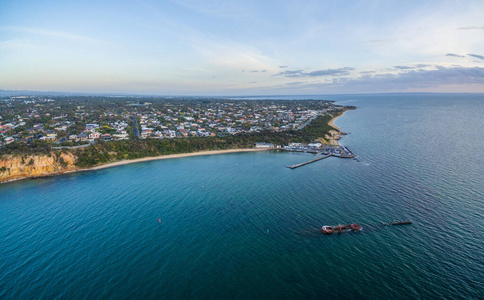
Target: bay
{"type": "Point", "coordinates": [243, 225]}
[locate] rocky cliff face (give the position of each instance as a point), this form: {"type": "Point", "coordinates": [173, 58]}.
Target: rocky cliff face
{"type": "Point", "coordinates": [24, 166]}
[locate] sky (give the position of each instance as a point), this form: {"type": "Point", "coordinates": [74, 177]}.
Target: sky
{"type": "Point", "coordinates": [246, 47]}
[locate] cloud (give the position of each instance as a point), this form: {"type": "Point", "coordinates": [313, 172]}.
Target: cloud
{"type": "Point", "coordinates": [15, 44]}
{"type": "Point", "coordinates": [367, 72]}
{"type": "Point", "coordinates": [471, 28]}
{"type": "Point", "coordinates": [440, 76]}
{"type": "Point", "coordinates": [413, 80]}
{"type": "Point", "coordinates": [411, 67]}
{"type": "Point", "coordinates": [282, 67]}
{"type": "Point", "coordinates": [295, 83]}
{"type": "Point", "coordinates": [317, 73]}
{"type": "Point", "coordinates": [57, 34]}
{"type": "Point", "coordinates": [256, 71]}
{"type": "Point", "coordinates": [332, 72]}
{"type": "Point", "coordinates": [381, 41]}
{"type": "Point", "coordinates": [295, 73]}
{"type": "Point", "coordinates": [476, 56]}
{"type": "Point", "coordinates": [454, 55]}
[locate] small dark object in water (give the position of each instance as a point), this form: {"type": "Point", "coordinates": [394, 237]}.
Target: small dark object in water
{"type": "Point", "coordinates": [355, 227]}
{"type": "Point", "coordinates": [340, 228]}
{"type": "Point", "coordinates": [398, 223]}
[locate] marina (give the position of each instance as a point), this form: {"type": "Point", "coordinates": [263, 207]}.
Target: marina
{"type": "Point", "coordinates": [321, 153]}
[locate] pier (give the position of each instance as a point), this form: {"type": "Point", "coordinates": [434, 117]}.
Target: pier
{"type": "Point", "coordinates": [398, 222]}
{"type": "Point", "coordinates": [336, 151]}
{"type": "Point", "coordinates": [308, 162]}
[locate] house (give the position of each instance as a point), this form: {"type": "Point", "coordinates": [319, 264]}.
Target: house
{"type": "Point", "coordinates": [120, 136]}
{"type": "Point", "coordinates": [51, 136]}
{"type": "Point", "coordinates": [82, 137]}
{"type": "Point", "coordinates": [91, 127]}
{"type": "Point", "coordinates": [264, 145]}
{"type": "Point", "coordinates": [94, 135]}
{"type": "Point", "coordinates": [170, 133]}
{"type": "Point", "coordinates": [183, 132]}
{"type": "Point", "coordinates": [9, 140]}
{"type": "Point", "coordinates": [105, 137]}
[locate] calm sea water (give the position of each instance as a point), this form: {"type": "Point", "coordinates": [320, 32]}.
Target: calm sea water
{"type": "Point", "coordinates": [244, 226]}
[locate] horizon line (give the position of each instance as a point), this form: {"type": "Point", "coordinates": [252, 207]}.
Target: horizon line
{"type": "Point", "coordinates": [51, 93]}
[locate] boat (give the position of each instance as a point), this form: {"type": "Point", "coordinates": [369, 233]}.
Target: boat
{"type": "Point", "coordinates": [355, 227]}
{"type": "Point", "coordinates": [340, 228]}
{"type": "Point", "coordinates": [327, 229]}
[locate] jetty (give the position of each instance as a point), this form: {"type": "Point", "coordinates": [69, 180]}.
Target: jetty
{"type": "Point", "coordinates": [308, 162]}
{"type": "Point", "coordinates": [398, 222]}
{"type": "Point", "coordinates": [321, 153]}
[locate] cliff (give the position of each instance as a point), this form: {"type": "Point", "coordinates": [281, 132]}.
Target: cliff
{"type": "Point", "coordinates": [14, 167]}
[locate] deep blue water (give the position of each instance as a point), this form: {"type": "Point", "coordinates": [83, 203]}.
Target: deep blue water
{"type": "Point", "coordinates": [244, 226]}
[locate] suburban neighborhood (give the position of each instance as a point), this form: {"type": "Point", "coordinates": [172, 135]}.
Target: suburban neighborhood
{"type": "Point", "coordinates": [78, 121]}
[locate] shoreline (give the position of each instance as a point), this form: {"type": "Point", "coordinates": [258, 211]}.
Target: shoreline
{"type": "Point", "coordinates": [331, 122]}
{"type": "Point", "coordinates": [334, 136]}
{"type": "Point", "coordinates": [170, 156]}
{"type": "Point", "coordinates": [137, 160]}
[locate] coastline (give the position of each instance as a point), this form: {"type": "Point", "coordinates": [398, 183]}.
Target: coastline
{"type": "Point", "coordinates": [333, 139]}
{"type": "Point", "coordinates": [201, 153]}
{"type": "Point", "coordinates": [331, 122]}
{"type": "Point", "coordinates": [131, 161]}
{"type": "Point", "coordinates": [334, 136]}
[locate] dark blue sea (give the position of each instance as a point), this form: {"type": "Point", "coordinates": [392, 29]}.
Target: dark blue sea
{"type": "Point", "coordinates": [244, 226]}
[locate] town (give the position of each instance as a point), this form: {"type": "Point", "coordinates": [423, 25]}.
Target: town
{"type": "Point", "coordinates": [80, 121]}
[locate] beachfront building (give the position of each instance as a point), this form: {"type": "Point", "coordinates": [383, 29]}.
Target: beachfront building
{"type": "Point", "coordinates": [264, 146]}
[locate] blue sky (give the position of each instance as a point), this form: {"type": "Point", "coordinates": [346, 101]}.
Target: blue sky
{"type": "Point", "coordinates": [242, 47]}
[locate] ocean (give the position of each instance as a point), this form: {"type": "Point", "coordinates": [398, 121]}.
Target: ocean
{"type": "Point", "coordinates": [244, 226]}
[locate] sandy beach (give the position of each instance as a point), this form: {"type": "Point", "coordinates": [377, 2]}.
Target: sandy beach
{"type": "Point", "coordinates": [125, 162]}
{"type": "Point", "coordinates": [334, 135]}
{"type": "Point", "coordinates": [331, 122]}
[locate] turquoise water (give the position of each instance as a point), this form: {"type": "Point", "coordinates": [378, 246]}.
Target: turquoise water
{"type": "Point", "coordinates": [244, 226]}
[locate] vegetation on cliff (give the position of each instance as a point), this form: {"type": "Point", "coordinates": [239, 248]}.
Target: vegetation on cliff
{"type": "Point", "coordinates": [103, 152]}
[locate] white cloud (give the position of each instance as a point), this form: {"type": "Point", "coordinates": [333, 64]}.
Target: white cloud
{"type": "Point", "coordinates": [15, 44]}
{"type": "Point", "coordinates": [55, 34]}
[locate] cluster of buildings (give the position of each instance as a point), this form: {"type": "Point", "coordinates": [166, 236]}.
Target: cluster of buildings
{"type": "Point", "coordinates": [227, 117]}
{"type": "Point", "coordinates": [78, 121]}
